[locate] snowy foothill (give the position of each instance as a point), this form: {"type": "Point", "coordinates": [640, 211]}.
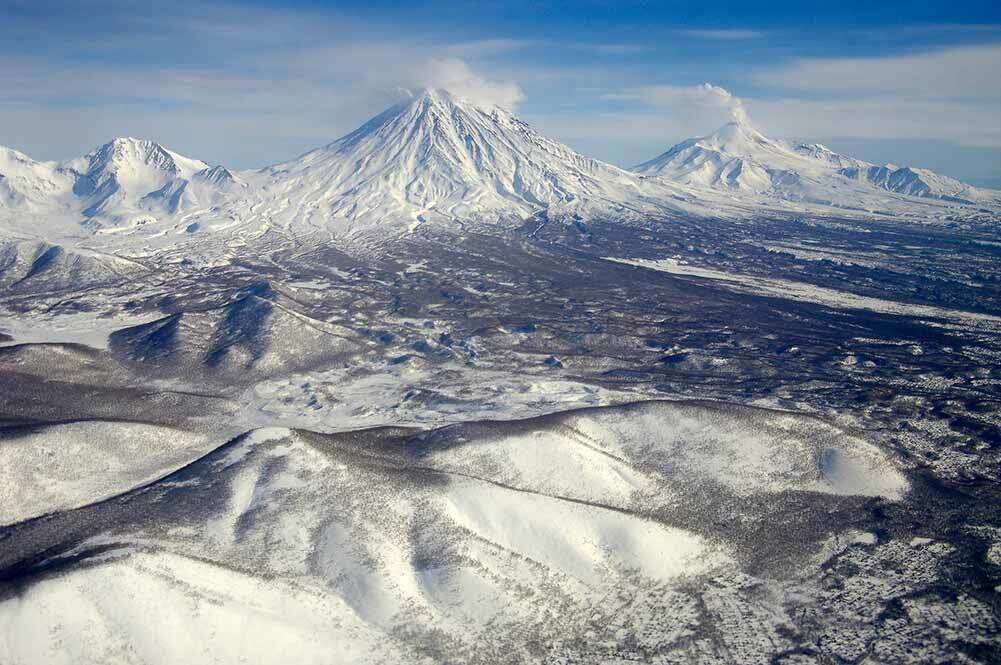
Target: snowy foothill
{"type": "Point", "coordinates": [290, 541]}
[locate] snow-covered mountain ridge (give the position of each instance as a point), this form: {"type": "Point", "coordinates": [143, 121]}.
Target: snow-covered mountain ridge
{"type": "Point", "coordinates": [440, 158]}
{"type": "Point", "coordinates": [738, 158]}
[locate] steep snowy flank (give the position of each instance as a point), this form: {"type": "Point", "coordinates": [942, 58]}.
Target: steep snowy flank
{"type": "Point", "coordinates": [734, 157]}
{"type": "Point", "coordinates": [740, 159]}
{"type": "Point", "coordinates": [437, 155]}
{"type": "Point", "coordinates": [127, 170]}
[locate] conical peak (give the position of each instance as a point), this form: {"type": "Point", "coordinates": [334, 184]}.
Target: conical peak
{"type": "Point", "coordinates": [434, 111]}
{"type": "Point", "coordinates": [438, 95]}
{"type": "Point", "coordinates": [131, 141]}
{"type": "Point", "coordinates": [432, 98]}
{"type": "Point", "coordinates": [127, 147]}
{"type": "Point", "coordinates": [432, 101]}
{"type": "Point", "coordinates": [450, 100]}
{"type": "Point", "coordinates": [736, 137]}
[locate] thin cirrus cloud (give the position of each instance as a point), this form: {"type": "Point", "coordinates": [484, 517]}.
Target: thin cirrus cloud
{"type": "Point", "coordinates": [948, 94]}
{"type": "Point", "coordinates": [257, 85]}
{"type": "Point", "coordinates": [963, 124]}
{"type": "Point", "coordinates": [733, 34]}
{"type": "Point", "coordinates": [951, 95]}
{"type": "Point", "coordinates": [970, 72]}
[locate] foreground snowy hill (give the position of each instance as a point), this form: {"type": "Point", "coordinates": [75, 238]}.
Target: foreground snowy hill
{"type": "Point", "coordinates": [737, 158]}
{"type": "Point", "coordinates": [482, 542]}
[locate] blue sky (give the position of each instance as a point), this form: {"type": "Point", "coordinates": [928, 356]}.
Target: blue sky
{"type": "Point", "coordinates": [255, 83]}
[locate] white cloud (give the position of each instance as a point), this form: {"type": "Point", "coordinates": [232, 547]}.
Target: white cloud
{"type": "Point", "coordinates": [485, 47]}
{"type": "Point", "coordinates": [608, 49]}
{"type": "Point", "coordinates": [973, 72]}
{"type": "Point", "coordinates": [458, 78]}
{"type": "Point", "coordinates": [949, 95]}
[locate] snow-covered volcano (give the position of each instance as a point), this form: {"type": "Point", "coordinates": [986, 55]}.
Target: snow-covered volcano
{"type": "Point", "coordinates": [438, 155]}
{"type": "Point", "coordinates": [738, 158]}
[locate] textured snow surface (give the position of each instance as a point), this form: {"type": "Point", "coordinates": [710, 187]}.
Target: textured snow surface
{"type": "Point", "coordinates": [204, 614]}
{"type": "Point", "coordinates": [57, 467]}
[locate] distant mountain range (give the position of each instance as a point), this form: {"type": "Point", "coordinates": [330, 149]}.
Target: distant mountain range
{"type": "Point", "coordinates": [440, 158]}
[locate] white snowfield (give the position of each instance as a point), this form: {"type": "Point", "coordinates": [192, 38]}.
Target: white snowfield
{"type": "Point", "coordinates": [438, 158]}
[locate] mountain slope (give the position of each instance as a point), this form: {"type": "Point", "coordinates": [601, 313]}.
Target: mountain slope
{"type": "Point", "coordinates": [736, 157]}
{"type": "Point", "coordinates": [130, 176]}
{"type": "Point", "coordinates": [257, 333]}
{"type": "Point", "coordinates": [740, 159]}
{"type": "Point", "coordinates": [437, 155]}
{"type": "Point", "coordinates": [434, 157]}
{"type": "Point", "coordinates": [918, 182]}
